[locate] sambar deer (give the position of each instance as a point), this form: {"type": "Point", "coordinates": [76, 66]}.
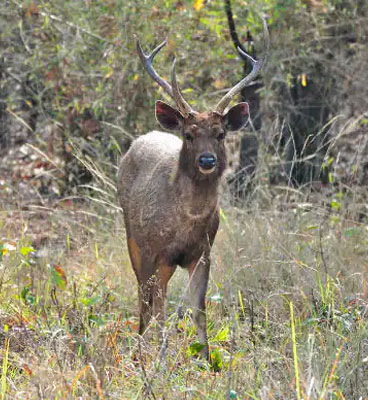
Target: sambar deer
{"type": "Point", "coordinates": [168, 189]}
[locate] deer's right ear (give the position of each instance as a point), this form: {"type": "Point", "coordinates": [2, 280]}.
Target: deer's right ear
{"type": "Point", "coordinates": [168, 117]}
{"type": "Point", "coordinates": [236, 117]}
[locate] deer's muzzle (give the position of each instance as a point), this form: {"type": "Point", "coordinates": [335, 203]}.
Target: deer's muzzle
{"type": "Point", "coordinates": [207, 163]}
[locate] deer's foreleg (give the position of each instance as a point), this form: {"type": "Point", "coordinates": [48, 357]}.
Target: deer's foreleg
{"type": "Point", "coordinates": [198, 281]}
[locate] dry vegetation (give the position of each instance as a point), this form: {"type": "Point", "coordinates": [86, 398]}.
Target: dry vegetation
{"type": "Point", "coordinates": [287, 304]}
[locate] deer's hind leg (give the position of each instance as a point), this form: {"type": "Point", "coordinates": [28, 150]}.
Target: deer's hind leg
{"type": "Point", "coordinates": [153, 281]}
{"type": "Point", "coordinates": [163, 274]}
{"type": "Point", "coordinates": [143, 270]}
{"type": "Point", "coordinates": [153, 278]}
{"type": "Point", "coordinates": [199, 270]}
{"type": "Point", "coordinates": [146, 289]}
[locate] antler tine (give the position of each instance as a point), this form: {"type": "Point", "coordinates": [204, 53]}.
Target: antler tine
{"type": "Point", "coordinates": [183, 106]}
{"type": "Point", "coordinates": [173, 91]}
{"type": "Point", "coordinates": [147, 63]}
{"type": "Point", "coordinates": [256, 68]}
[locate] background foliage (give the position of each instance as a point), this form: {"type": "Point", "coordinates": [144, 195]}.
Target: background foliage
{"type": "Point", "coordinates": [70, 70]}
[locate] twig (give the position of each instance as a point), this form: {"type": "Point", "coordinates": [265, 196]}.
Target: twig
{"type": "Point", "coordinates": [147, 381]}
{"type": "Point", "coordinates": [98, 381]}
{"type": "Point", "coordinates": [13, 76]}
{"type": "Point", "coordinates": [18, 118]}
{"type": "Point", "coordinates": [70, 25]}
{"type": "Point", "coordinates": [320, 242]}
{"type": "Point", "coordinates": [232, 342]}
{"type": "Point", "coordinates": [120, 129]}
{"type": "Point", "coordinates": [29, 51]}
{"type": "Point", "coordinates": [41, 153]}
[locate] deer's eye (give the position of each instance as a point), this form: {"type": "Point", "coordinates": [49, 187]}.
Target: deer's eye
{"type": "Point", "coordinates": [221, 136]}
{"type": "Point", "coordinates": [188, 137]}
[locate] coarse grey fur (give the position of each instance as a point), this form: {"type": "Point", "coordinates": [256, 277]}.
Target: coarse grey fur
{"type": "Point", "coordinates": [161, 204]}
{"type": "Point", "coordinates": [168, 189]}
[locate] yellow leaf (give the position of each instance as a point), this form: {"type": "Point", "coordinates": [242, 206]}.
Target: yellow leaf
{"type": "Point", "coordinates": [135, 77]}
{"type": "Point", "coordinates": [304, 80]}
{"type": "Point", "coordinates": [219, 84]}
{"type": "Point", "coordinates": [198, 4]}
{"type": "Point", "coordinates": [109, 72]}
{"type": "Point", "coordinates": [222, 215]}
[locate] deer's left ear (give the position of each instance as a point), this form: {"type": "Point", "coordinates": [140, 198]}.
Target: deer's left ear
{"type": "Point", "coordinates": [236, 117]}
{"type": "Point", "coordinates": [168, 117]}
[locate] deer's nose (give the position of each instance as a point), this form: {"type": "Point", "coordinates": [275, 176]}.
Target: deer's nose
{"type": "Point", "coordinates": [207, 161]}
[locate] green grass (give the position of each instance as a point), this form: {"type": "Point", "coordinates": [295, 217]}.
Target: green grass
{"type": "Point", "coordinates": [286, 308]}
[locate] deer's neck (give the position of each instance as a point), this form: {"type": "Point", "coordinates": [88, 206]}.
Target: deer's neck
{"type": "Point", "coordinates": [197, 198]}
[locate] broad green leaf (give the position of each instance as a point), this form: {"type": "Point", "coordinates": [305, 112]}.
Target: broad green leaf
{"type": "Point", "coordinates": [97, 320]}
{"type": "Point", "coordinates": [91, 300]}
{"type": "Point", "coordinates": [195, 348]}
{"type": "Point", "coordinates": [216, 359]}
{"type": "Point", "coordinates": [222, 335]}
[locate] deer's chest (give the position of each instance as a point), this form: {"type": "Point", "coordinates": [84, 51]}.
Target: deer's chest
{"type": "Point", "coordinates": [188, 240]}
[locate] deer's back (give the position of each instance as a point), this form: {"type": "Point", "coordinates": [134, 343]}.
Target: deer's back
{"type": "Point", "coordinates": [145, 174]}
{"type": "Point", "coordinates": [150, 149]}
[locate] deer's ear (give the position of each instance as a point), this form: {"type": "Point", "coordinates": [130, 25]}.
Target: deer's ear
{"type": "Point", "coordinates": [168, 117]}
{"type": "Point", "coordinates": [236, 117]}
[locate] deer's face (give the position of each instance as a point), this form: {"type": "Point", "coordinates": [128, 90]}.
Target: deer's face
{"type": "Point", "coordinates": [203, 153]}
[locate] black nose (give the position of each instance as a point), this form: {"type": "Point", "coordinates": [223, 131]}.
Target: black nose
{"type": "Point", "coordinates": [207, 161]}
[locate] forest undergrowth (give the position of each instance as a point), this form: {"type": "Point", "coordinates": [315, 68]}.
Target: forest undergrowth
{"type": "Point", "coordinates": [287, 303]}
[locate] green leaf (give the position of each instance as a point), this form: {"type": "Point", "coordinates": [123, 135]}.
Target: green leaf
{"type": "Point", "coordinates": [216, 359]}
{"type": "Point", "coordinates": [26, 250]}
{"type": "Point", "coordinates": [329, 162]}
{"type": "Point", "coordinates": [96, 320]}
{"type": "Point", "coordinates": [222, 335]}
{"type": "Point", "coordinates": [335, 205]}
{"type": "Point", "coordinates": [27, 296]}
{"type": "Point", "coordinates": [195, 348]}
{"type": "Point", "coordinates": [310, 227]}
{"type": "Point", "coordinates": [91, 300]}
{"type": "Point", "coordinates": [46, 22]}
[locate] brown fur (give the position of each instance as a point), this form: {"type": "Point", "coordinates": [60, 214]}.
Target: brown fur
{"type": "Point", "coordinates": [171, 209]}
